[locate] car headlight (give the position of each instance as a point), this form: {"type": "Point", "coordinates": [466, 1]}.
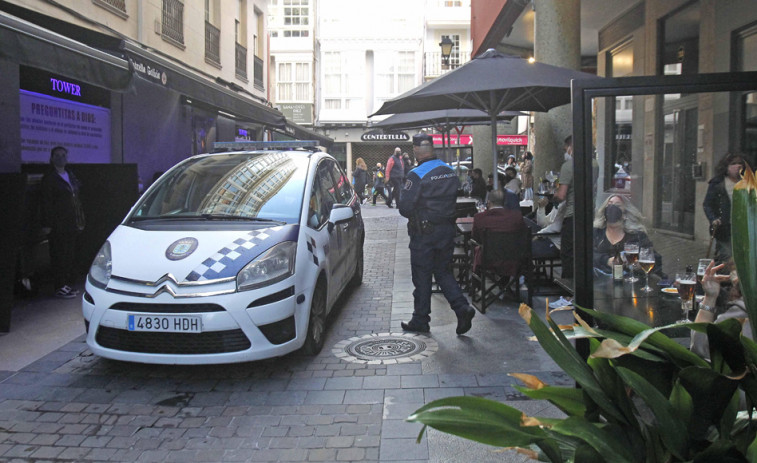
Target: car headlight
{"type": "Point", "coordinates": [273, 265]}
{"type": "Point", "coordinates": [102, 266]}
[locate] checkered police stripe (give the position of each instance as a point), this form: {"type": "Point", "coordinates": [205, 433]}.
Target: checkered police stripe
{"type": "Point", "coordinates": [311, 249]}
{"type": "Point", "coordinates": [230, 259]}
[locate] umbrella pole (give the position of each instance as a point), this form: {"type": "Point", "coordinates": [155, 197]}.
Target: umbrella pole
{"type": "Point", "coordinates": [495, 177]}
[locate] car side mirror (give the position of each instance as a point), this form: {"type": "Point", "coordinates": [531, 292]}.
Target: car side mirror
{"type": "Point", "coordinates": [340, 213]}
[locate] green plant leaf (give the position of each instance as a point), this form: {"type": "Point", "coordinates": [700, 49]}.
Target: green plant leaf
{"type": "Point", "coordinates": [672, 430]}
{"type": "Point", "coordinates": [480, 420]}
{"type": "Point", "coordinates": [751, 452]}
{"type": "Point", "coordinates": [743, 239]}
{"type": "Point", "coordinates": [680, 355]}
{"type": "Point", "coordinates": [554, 343]}
{"type": "Point", "coordinates": [726, 348]}
{"type": "Point", "coordinates": [710, 394]}
{"type": "Point", "coordinates": [729, 416]}
{"type": "Point", "coordinates": [568, 399]}
{"type": "Point", "coordinates": [605, 443]}
{"type": "Point", "coordinates": [681, 401]}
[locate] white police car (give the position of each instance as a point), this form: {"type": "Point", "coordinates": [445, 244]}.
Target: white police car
{"type": "Point", "coordinates": [228, 257]}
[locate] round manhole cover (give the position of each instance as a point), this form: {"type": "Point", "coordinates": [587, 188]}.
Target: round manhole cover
{"type": "Point", "coordinates": [385, 348]}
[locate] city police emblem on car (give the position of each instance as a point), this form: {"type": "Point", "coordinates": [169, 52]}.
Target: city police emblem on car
{"type": "Point", "coordinates": [228, 257]}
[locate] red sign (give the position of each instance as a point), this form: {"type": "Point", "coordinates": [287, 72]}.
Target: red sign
{"type": "Point", "coordinates": [465, 139]}
{"type": "Point", "coordinates": [512, 139]}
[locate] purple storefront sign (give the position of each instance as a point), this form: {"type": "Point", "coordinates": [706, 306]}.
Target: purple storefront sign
{"type": "Point", "coordinates": [48, 121]}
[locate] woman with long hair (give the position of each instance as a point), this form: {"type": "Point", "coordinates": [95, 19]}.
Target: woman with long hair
{"type": "Point", "coordinates": [717, 202]}
{"type": "Point", "coordinates": [617, 222]}
{"type": "Point", "coordinates": [360, 177]}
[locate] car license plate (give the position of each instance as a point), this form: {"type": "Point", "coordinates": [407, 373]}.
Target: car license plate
{"type": "Point", "coordinates": [165, 323]}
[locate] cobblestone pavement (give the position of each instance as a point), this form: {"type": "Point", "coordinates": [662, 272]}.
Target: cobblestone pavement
{"type": "Point", "coordinates": [73, 406]}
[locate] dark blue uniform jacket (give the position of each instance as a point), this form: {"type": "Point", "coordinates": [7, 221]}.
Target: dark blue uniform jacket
{"type": "Point", "coordinates": [430, 192]}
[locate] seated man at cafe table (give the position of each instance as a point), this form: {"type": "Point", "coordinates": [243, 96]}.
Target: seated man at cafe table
{"type": "Point", "coordinates": [496, 217]}
{"type": "Point", "coordinates": [616, 223]}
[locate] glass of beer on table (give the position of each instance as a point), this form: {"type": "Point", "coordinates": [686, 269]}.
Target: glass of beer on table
{"type": "Point", "coordinates": [686, 283]}
{"type": "Point", "coordinates": [646, 262]}
{"type": "Point", "coordinates": [631, 252]}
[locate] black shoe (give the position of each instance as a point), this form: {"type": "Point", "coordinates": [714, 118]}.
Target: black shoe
{"type": "Point", "coordinates": [389, 206]}
{"type": "Point", "coordinates": [417, 328]}
{"type": "Point", "coordinates": [464, 321]}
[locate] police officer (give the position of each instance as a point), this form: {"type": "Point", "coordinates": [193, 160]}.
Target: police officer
{"type": "Point", "coordinates": [428, 201]}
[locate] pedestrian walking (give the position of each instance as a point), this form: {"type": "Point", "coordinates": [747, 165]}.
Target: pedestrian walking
{"type": "Point", "coordinates": [428, 201]}
{"type": "Point", "coordinates": [395, 172]}
{"type": "Point", "coordinates": [378, 183]}
{"type": "Point", "coordinates": [360, 178]}
{"type": "Point", "coordinates": [717, 203]}
{"type": "Point", "coordinates": [62, 219]}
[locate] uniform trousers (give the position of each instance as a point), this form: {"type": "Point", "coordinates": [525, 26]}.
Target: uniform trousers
{"type": "Point", "coordinates": [431, 255]}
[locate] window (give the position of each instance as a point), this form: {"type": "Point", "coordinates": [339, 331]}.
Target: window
{"type": "Point", "coordinates": [293, 17]}
{"type": "Point", "coordinates": [323, 196]}
{"type": "Point", "coordinates": [293, 82]}
{"type": "Point", "coordinates": [395, 74]}
{"type": "Point", "coordinates": [746, 60]}
{"type": "Point", "coordinates": [172, 27]}
{"type": "Point", "coordinates": [118, 7]}
{"type": "Point", "coordinates": [619, 116]}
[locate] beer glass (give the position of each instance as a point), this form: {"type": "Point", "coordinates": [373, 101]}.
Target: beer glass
{"type": "Point", "coordinates": [631, 252]}
{"type": "Point", "coordinates": [687, 283]}
{"type": "Point", "coordinates": [646, 262]}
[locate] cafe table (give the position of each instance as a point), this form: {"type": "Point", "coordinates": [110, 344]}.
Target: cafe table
{"type": "Point", "coordinates": [657, 308]}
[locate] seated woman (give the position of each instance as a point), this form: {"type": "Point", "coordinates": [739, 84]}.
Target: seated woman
{"type": "Point", "coordinates": [616, 223]}
{"type": "Point", "coordinates": [718, 307]}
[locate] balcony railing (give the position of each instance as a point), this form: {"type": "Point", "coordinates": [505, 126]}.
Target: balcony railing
{"type": "Point", "coordinates": [433, 66]}
{"type": "Point", "coordinates": [212, 44]}
{"type": "Point", "coordinates": [240, 62]}
{"type": "Point", "coordinates": [173, 21]}
{"type": "Point", "coordinates": [257, 73]}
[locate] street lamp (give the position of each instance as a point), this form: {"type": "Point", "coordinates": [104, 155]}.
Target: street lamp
{"type": "Point", "coordinates": [446, 45]}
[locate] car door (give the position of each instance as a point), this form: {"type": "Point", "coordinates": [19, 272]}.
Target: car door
{"type": "Point", "coordinates": [351, 229]}
{"type": "Point", "coordinates": [324, 195]}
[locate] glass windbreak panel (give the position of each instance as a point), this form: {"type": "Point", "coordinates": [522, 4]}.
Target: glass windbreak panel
{"type": "Point", "coordinates": [256, 186]}
{"type": "Point", "coordinates": [750, 127]}
{"type": "Point", "coordinates": [670, 207]}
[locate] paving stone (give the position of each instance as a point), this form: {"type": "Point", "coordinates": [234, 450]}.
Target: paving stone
{"type": "Point", "coordinates": [46, 452]}
{"type": "Point", "coordinates": [322, 455]}
{"type": "Point", "coordinates": [353, 454]}
{"type": "Point", "coordinates": [324, 397]}
{"type": "Point", "coordinates": [340, 441]}
{"type": "Point", "coordinates": [402, 450]}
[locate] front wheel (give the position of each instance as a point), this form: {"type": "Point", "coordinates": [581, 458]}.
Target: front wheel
{"type": "Point", "coordinates": [316, 322]}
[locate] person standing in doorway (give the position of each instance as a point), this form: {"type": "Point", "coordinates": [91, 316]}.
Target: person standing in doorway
{"type": "Point", "coordinates": [717, 203]}
{"type": "Point", "coordinates": [565, 193]}
{"type": "Point", "coordinates": [62, 219]}
{"type": "Point", "coordinates": [428, 201]}
{"type": "Point", "coordinates": [395, 172]}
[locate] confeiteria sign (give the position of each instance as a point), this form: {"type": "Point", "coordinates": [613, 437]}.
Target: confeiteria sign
{"type": "Point", "coordinates": [464, 139]}
{"type": "Point", "coordinates": [512, 139]}
{"type": "Point", "coordinates": [385, 137]}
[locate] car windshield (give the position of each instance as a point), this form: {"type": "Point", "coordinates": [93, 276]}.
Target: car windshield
{"type": "Point", "coordinates": [235, 186]}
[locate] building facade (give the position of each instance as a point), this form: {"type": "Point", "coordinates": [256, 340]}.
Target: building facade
{"type": "Point", "coordinates": [176, 76]}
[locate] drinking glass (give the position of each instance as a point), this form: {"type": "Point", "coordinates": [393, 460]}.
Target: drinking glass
{"type": "Point", "coordinates": [631, 251]}
{"type": "Point", "coordinates": [646, 262]}
{"type": "Point", "coordinates": [701, 268]}
{"type": "Point", "coordinates": [687, 283]}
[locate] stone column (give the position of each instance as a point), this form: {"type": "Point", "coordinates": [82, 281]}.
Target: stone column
{"type": "Point", "coordinates": [557, 41]}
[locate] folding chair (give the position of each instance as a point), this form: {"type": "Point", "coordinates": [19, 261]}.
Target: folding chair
{"type": "Point", "coordinates": [505, 257]}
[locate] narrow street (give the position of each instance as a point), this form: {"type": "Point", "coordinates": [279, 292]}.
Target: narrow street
{"type": "Point", "coordinates": [72, 406]}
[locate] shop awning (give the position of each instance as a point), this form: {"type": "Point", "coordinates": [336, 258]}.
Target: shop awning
{"type": "Point", "coordinates": [301, 133]}
{"type": "Point", "coordinates": [153, 68]}
{"type": "Point", "coordinates": [28, 44]}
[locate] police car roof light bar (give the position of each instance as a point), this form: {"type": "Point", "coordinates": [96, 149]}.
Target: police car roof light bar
{"type": "Point", "coordinates": [263, 145]}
